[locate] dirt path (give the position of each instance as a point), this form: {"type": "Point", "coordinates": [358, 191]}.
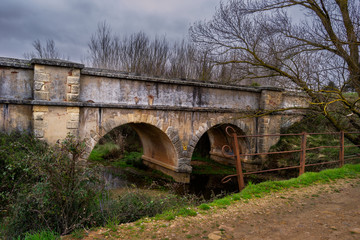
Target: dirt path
{"type": "Point", "coordinates": [318, 212]}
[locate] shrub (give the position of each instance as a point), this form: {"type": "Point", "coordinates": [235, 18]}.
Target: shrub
{"type": "Point", "coordinates": [134, 205]}
{"type": "Point", "coordinates": [43, 235]}
{"type": "Point", "coordinates": [62, 195]}
{"type": "Point", "coordinates": [18, 152]}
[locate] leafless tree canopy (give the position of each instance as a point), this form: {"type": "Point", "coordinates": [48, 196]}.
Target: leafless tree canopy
{"type": "Point", "coordinates": [47, 52]}
{"type": "Point", "coordinates": [156, 57]}
{"type": "Point", "coordinates": [319, 45]}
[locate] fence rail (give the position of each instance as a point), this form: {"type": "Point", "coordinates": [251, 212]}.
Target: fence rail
{"type": "Point", "coordinates": [302, 159]}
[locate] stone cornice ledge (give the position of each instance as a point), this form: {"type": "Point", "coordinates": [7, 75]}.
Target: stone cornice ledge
{"type": "Point", "coordinates": [138, 77]}
{"type": "Point", "coordinates": [141, 107]}
{"type": "Point", "coordinates": [15, 63]}
{"type": "Point", "coordinates": [56, 63]}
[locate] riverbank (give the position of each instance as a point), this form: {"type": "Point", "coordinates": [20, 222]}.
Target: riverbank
{"type": "Point", "coordinates": [329, 210]}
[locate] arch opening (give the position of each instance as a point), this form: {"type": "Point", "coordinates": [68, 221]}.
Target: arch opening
{"type": "Point", "coordinates": [211, 142]}
{"type": "Point", "coordinates": [210, 166]}
{"type": "Point", "coordinates": [137, 144]}
{"type": "Point", "coordinates": [157, 147]}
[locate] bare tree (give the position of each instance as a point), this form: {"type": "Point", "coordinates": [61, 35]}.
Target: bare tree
{"type": "Point", "coordinates": [182, 59]}
{"type": "Point", "coordinates": [321, 46]}
{"type": "Point", "coordinates": [104, 48]}
{"type": "Point", "coordinates": [189, 61]}
{"type": "Point", "coordinates": [159, 56]}
{"type": "Point", "coordinates": [135, 53]}
{"type": "Point", "coordinates": [47, 52]}
{"type": "Point", "coordinates": [156, 57]}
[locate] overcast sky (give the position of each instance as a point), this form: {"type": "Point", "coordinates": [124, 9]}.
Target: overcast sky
{"type": "Point", "coordinates": [70, 23]}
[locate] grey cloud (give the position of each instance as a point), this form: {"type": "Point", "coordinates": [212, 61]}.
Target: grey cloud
{"type": "Point", "coordinates": [70, 23]}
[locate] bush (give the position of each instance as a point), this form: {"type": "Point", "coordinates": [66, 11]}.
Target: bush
{"type": "Point", "coordinates": [60, 193]}
{"type": "Point", "coordinates": [49, 188]}
{"type": "Point", "coordinates": [134, 205]}
{"type": "Point", "coordinates": [18, 152]}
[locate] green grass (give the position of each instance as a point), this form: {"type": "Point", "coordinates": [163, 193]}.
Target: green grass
{"type": "Point", "coordinates": [352, 95]}
{"type": "Point", "coordinates": [110, 154]}
{"type": "Point", "coordinates": [210, 167]}
{"type": "Point", "coordinates": [130, 159]}
{"type": "Point", "coordinates": [112, 224]}
{"type": "Point", "coordinates": [102, 152]}
{"type": "Point", "coordinates": [78, 234]}
{"type": "Point", "coordinates": [186, 211]}
{"type": "Point", "coordinates": [287, 143]}
{"type": "Point", "coordinates": [42, 235]}
{"type": "Point", "coordinates": [307, 179]}
{"type": "Point", "coordinates": [260, 190]}
{"type": "Point", "coordinates": [204, 206]}
{"type": "Point", "coordinates": [310, 124]}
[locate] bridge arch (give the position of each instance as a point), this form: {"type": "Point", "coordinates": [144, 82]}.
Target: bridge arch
{"type": "Point", "coordinates": [217, 138]}
{"type": "Point", "coordinates": [161, 142]}
{"type": "Point", "coordinates": [157, 146]}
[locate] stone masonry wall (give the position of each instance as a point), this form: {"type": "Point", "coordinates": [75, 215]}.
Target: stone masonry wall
{"type": "Point", "coordinates": [52, 98]}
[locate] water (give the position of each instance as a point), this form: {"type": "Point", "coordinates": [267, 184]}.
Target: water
{"type": "Point", "coordinates": [207, 186]}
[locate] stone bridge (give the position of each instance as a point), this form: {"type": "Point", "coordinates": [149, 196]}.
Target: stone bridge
{"type": "Point", "coordinates": [51, 98]}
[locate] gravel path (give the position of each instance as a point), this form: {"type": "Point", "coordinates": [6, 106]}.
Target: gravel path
{"type": "Point", "coordinates": [327, 211]}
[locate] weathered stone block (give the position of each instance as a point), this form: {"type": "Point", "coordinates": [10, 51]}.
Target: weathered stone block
{"type": "Point", "coordinates": [41, 95]}
{"type": "Point", "coordinates": [190, 150]}
{"type": "Point", "coordinates": [41, 77]}
{"type": "Point", "coordinates": [184, 166]}
{"type": "Point", "coordinates": [39, 124]}
{"type": "Point", "coordinates": [143, 118]}
{"type": "Point", "coordinates": [38, 133]}
{"type": "Point", "coordinates": [74, 117]}
{"type": "Point", "coordinates": [38, 115]}
{"type": "Point", "coordinates": [192, 143]}
{"type": "Point", "coordinates": [75, 89]}
{"type": "Point", "coordinates": [186, 154]}
{"type": "Point", "coordinates": [39, 68]}
{"type": "Point", "coordinates": [195, 138]}
{"type": "Point", "coordinates": [72, 97]}
{"type": "Point", "coordinates": [109, 125]}
{"type": "Point", "coordinates": [175, 139]}
{"type": "Point", "coordinates": [73, 80]}
{"type": "Point", "coordinates": [150, 119]}
{"type": "Point", "coordinates": [130, 118]}
{"type": "Point", "coordinates": [40, 108]}
{"type": "Point", "coordinates": [73, 110]}
{"type": "Point", "coordinates": [73, 132]}
{"type": "Point", "coordinates": [171, 132]}
{"type": "Point", "coordinates": [159, 124]}
{"type": "Point", "coordinates": [178, 146]}
{"type": "Point", "coordinates": [201, 129]}
{"type": "Point", "coordinates": [39, 86]}
{"type": "Point", "coordinates": [72, 125]}
{"type": "Point", "coordinates": [76, 72]}
{"type": "Point", "coordinates": [137, 117]}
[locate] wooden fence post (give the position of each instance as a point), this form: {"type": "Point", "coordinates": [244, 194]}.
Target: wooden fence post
{"type": "Point", "coordinates": [342, 149]}
{"type": "Point", "coordinates": [240, 175]}
{"type": "Point", "coordinates": [302, 153]}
